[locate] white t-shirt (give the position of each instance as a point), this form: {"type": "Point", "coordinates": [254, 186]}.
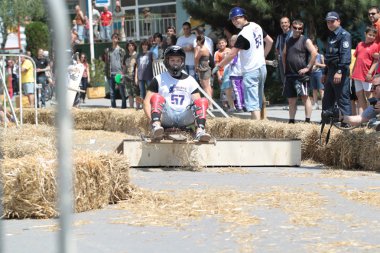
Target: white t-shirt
{"type": "Point", "coordinates": [253, 58]}
{"type": "Point", "coordinates": [186, 41]}
{"type": "Point", "coordinates": [177, 93]}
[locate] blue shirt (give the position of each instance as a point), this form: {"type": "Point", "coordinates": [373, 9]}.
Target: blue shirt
{"type": "Point", "coordinates": [338, 51]}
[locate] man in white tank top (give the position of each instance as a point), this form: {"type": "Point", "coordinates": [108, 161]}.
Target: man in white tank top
{"type": "Point", "coordinates": [253, 51]}
{"type": "Point", "coordinates": [173, 98]}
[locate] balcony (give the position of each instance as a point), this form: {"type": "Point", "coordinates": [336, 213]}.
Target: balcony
{"type": "Point", "coordinates": [144, 28]}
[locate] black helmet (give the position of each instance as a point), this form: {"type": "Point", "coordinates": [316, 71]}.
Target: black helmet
{"type": "Point", "coordinates": [174, 51]}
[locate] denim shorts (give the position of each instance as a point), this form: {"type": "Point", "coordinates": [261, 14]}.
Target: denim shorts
{"type": "Point", "coordinates": [253, 82]}
{"type": "Point", "coordinates": [28, 88]}
{"type": "Point", "coordinates": [316, 81]}
{"type": "Point", "coordinates": [369, 113]}
{"type": "Point", "coordinates": [172, 118]}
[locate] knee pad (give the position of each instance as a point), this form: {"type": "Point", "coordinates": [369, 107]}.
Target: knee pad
{"type": "Point", "coordinates": [157, 103]}
{"type": "Point", "coordinates": [200, 108]}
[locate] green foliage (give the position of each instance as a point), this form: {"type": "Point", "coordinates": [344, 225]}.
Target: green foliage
{"type": "Point", "coordinates": [37, 36]}
{"type": "Point", "coordinates": [97, 73]}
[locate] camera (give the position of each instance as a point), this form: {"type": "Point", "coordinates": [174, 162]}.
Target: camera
{"type": "Point", "coordinates": [372, 101]}
{"type": "Point", "coordinates": [331, 114]}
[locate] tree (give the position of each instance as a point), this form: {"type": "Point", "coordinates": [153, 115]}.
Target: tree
{"type": "Point", "coordinates": [37, 36]}
{"type": "Point", "coordinates": [267, 13]}
{"type": "Point", "coordinates": [13, 12]}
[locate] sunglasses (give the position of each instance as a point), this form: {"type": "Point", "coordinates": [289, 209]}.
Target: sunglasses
{"type": "Point", "coordinates": [372, 14]}
{"type": "Point", "coordinates": [297, 28]}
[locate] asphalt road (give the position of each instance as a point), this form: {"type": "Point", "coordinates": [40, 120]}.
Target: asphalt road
{"type": "Point", "coordinates": [306, 209]}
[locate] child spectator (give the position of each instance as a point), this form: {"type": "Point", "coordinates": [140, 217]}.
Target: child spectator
{"type": "Point", "coordinates": [219, 55]}
{"type": "Point", "coordinates": [316, 77]}
{"type": "Point", "coordinates": [364, 58]}
{"type": "Point", "coordinates": [144, 71]}
{"type": "Point", "coordinates": [236, 78]}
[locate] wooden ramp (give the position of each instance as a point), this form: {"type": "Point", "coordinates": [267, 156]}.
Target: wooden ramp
{"type": "Point", "coordinates": [222, 153]}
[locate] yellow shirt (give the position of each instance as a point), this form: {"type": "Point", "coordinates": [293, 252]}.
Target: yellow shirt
{"type": "Point", "coordinates": [28, 75]}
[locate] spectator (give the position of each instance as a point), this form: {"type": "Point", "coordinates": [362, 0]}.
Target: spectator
{"type": "Point", "coordinates": [74, 34]}
{"type": "Point", "coordinates": [338, 59]}
{"type": "Point", "coordinates": [362, 75]}
{"type": "Point", "coordinates": [115, 57]}
{"type": "Point", "coordinates": [173, 98]}
{"type": "Point", "coordinates": [157, 49]}
{"type": "Point", "coordinates": [95, 22]}
{"type": "Point", "coordinates": [118, 19]}
{"type": "Point", "coordinates": [86, 29]}
{"type": "Point", "coordinates": [297, 67]}
{"type": "Point", "coordinates": [202, 58]}
{"type": "Point", "coordinates": [170, 30]}
{"type": "Point", "coordinates": [250, 43]}
{"type": "Point", "coordinates": [280, 43]}
{"type": "Point", "coordinates": [316, 77]}
{"type": "Point", "coordinates": [371, 111]}
{"type": "Point", "coordinates": [186, 41]}
{"type": "Point", "coordinates": [42, 65]}
{"type": "Point", "coordinates": [236, 78]}
{"type": "Point", "coordinates": [208, 42]}
{"type": "Point", "coordinates": [147, 21]}
{"type": "Point", "coordinates": [129, 66]}
{"type": "Point", "coordinates": [27, 79]}
{"type": "Point", "coordinates": [374, 17]}
{"type": "Point", "coordinates": [171, 37]}
{"type": "Point", "coordinates": [105, 24]}
{"type": "Point", "coordinates": [144, 70]}
{"type": "Point", "coordinates": [80, 22]}
{"type": "Point", "coordinates": [85, 80]}
{"type": "Point", "coordinates": [220, 54]}
{"type": "Point", "coordinates": [171, 40]}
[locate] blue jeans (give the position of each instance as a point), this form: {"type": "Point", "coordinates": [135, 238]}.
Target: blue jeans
{"type": "Point", "coordinates": [42, 81]}
{"type": "Point", "coordinates": [171, 118]}
{"type": "Point", "coordinates": [190, 69]}
{"type": "Point", "coordinates": [253, 82]}
{"type": "Point", "coordinates": [142, 86]}
{"type": "Point", "coordinates": [113, 87]}
{"type": "Point", "coordinates": [105, 33]}
{"type": "Point", "coordinates": [80, 31]}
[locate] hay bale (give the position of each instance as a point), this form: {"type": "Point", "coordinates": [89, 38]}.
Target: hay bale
{"type": "Point", "coordinates": [129, 121]}
{"type": "Point", "coordinates": [89, 119]}
{"type": "Point", "coordinates": [30, 186]}
{"type": "Point", "coordinates": [28, 140]}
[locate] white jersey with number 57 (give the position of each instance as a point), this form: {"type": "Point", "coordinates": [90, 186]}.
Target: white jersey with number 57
{"type": "Point", "coordinates": [177, 92]}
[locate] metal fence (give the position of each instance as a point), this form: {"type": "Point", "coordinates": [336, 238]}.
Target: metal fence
{"type": "Point", "coordinates": [146, 28]}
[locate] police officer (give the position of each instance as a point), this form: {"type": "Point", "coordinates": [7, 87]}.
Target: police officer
{"type": "Point", "coordinates": [337, 72]}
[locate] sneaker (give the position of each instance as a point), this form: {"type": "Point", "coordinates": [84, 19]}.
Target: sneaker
{"type": "Point", "coordinates": [231, 110]}
{"type": "Point", "coordinates": [286, 108]}
{"type": "Point", "coordinates": [315, 106]}
{"type": "Point", "coordinates": [202, 136]}
{"type": "Point", "coordinates": [157, 132]}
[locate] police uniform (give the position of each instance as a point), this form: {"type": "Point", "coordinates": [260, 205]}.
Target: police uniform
{"type": "Point", "coordinates": [338, 59]}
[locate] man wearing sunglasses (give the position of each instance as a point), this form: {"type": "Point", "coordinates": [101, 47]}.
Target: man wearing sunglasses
{"type": "Point", "coordinates": [374, 17]}
{"type": "Point", "coordinates": [297, 65]}
{"type": "Point", "coordinates": [337, 72]}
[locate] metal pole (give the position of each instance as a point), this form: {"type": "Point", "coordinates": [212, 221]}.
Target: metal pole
{"type": "Point", "coordinates": [58, 10]}
{"type": "Point", "coordinates": [2, 231]}
{"type": "Point", "coordinates": [91, 31]}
